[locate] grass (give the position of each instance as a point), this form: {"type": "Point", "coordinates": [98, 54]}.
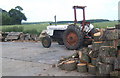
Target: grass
{"type": "Point", "coordinates": [37, 28]}
{"type": "Point", "coordinates": [105, 24]}
{"type": "Point", "coordinates": [31, 28]}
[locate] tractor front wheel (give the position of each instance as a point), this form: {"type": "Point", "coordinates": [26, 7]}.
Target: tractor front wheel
{"type": "Point", "coordinates": [46, 42]}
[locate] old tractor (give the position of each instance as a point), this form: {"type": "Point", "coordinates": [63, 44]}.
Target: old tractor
{"type": "Point", "coordinates": [72, 36]}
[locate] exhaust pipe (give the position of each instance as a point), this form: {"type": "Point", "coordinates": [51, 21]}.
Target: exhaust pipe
{"type": "Point", "coordinates": [55, 20]}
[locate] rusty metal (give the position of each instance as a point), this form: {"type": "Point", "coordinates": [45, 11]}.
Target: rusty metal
{"type": "Point", "coordinates": [87, 40]}
{"type": "Point", "coordinates": [72, 38]}
{"type": "Point", "coordinates": [75, 21]}
{"type": "Point", "coordinates": [83, 22]}
{"type": "Point", "coordinates": [83, 8]}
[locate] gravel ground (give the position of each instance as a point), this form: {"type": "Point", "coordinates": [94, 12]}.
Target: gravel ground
{"type": "Point", "coordinates": [31, 59]}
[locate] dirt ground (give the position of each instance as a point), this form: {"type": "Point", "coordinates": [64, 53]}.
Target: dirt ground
{"type": "Point", "coordinates": [31, 59]}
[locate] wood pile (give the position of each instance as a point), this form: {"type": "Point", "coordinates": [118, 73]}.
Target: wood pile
{"type": "Point", "coordinates": [117, 26]}
{"type": "Point", "coordinates": [17, 36]}
{"type": "Point", "coordinates": [102, 59]}
{"type": "Point", "coordinates": [1, 36]}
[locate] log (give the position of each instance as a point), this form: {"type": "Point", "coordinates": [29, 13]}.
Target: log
{"type": "Point", "coordinates": [33, 37]}
{"type": "Point", "coordinates": [115, 74]}
{"type": "Point", "coordinates": [92, 69]}
{"type": "Point", "coordinates": [93, 54]}
{"type": "Point", "coordinates": [106, 51]}
{"type": "Point", "coordinates": [97, 36]}
{"type": "Point", "coordinates": [10, 38]}
{"type": "Point", "coordinates": [13, 36]}
{"type": "Point", "coordinates": [82, 67]}
{"type": "Point", "coordinates": [109, 43]}
{"type": "Point", "coordinates": [108, 60]}
{"type": "Point", "coordinates": [84, 58]}
{"type": "Point", "coordinates": [1, 36]}
{"type": "Point", "coordinates": [75, 55]}
{"type": "Point", "coordinates": [117, 64]}
{"type": "Point", "coordinates": [66, 59]}
{"type": "Point", "coordinates": [27, 37]}
{"type": "Point", "coordinates": [105, 69]}
{"type": "Point", "coordinates": [61, 60]}
{"type": "Point", "coordinates": [110, 34]}
{"type": "Point", "coordinates": [22, 36]}
{"type": "Point", "coordinates": [118, 53]}
{"type": "Point", "coordinates": [113, 52]}
{"type": "Point", "coordinates": [61, 66]}
{"type": "Point", "coordinates": [93, 61]}
{"type": "Point", "coordinates": [118, 42]}
{"type": "Point", "coordinates": [98, 61]}
{"type": "Point", "coordinates": [114, 43]}
{"type": "Point", "coordinates": [117, 26]}
{"type": "Point", "coordinates": [4, 35]}
{"type": "Point", "coordinates": [85, 50]}
{"type": "Point", "coordinates": [97, 45]}
{"type": "Point", "coordinates": [110, 28]}
{"type": "Point", "coordinates": [119, 33]}
{"type": "Point", "coordinates": [70, 65]}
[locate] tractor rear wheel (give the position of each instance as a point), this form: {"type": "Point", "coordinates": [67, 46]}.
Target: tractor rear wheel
{"type": "Point", "coordinates": [46, 42]}
{"type": "Point", "coordinates": [73, 38]}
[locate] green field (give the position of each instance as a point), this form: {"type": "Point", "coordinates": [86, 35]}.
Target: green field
{"type": "Point", "coordinates": [29, 28]}
{"type": "Point", "coordinates": [37, 28]}
{"type": "Point", "coordinates": [105, 24]}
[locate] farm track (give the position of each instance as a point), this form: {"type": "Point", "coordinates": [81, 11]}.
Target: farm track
{"type": "Point", "coordinates": [31, 59]}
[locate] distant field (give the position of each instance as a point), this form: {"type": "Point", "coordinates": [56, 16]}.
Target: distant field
{"type": "Point", "coordinates": [25, 28]}
{"type": "Point", "coordinates": [105, 24]}
{"type": "Point", "coordinates": [37, 28]}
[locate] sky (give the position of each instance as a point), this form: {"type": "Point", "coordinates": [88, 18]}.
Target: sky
{"type": "Point", "coordinates": [45, 10]}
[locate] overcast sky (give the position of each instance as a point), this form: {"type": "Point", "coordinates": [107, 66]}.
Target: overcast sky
{"type": "Point", "coordinates": [44, 10]}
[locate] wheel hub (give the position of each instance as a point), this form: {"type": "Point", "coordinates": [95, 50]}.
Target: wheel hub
{"type": "Point", "coordinates": [45, 42]}
{"type": "Point", "coordinates": [72, 38]}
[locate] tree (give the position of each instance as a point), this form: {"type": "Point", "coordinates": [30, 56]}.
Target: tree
{"type": "Point", "coordinates": [16, 15]}
{"type": "Point", "coordinates": [19, 8]}
{"type": "Point", "coordinates": [4, 15]}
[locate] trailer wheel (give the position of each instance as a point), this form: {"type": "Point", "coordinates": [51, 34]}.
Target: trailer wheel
{"type": "Point", "coordinates": [46, 42]}
{"type": "Point", "coordinates": [73, 38]}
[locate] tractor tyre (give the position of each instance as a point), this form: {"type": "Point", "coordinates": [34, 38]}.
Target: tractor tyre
{"type": "Point", "coordinates": [60, 42]}
{"type": "Point", "coordinates": [46, 42]}
{"type": "Point", "coordinates": [73, 37]}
